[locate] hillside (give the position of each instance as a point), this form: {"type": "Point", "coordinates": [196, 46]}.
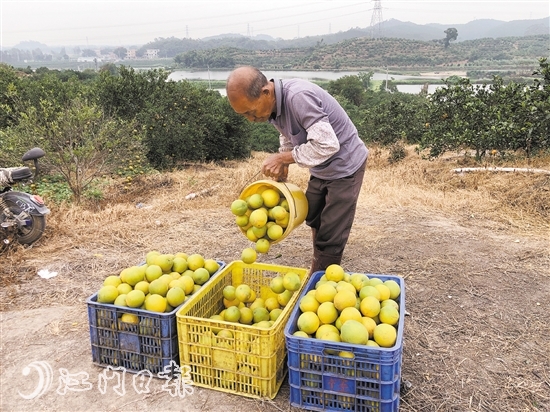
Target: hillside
{"type": "Point", "coordinates": [519, 54]}
{"type": "Point", "coordinates": [477, 29]}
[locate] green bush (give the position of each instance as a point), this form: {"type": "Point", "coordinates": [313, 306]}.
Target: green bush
{"type": "Point", "coordinates": [81, 144]}
{"type": "Point", "coordinates": [185, 123]}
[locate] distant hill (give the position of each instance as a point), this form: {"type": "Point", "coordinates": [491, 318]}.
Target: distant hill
{"type": "Point", "coordinates": [477, 29]}
{"type": "Point", "coordinates": [390, 29]}
{"type": "Point", "coordinates": [31, 45]}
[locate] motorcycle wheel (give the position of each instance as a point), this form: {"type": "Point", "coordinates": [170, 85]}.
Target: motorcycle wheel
{"type": "Point", "coordinates": [33, 231]}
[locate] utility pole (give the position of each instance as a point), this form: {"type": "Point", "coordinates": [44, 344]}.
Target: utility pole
{"type": "Point", "coordinates": [376, 20]}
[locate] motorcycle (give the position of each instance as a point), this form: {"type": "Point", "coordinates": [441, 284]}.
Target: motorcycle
{"type": "Point", "coordinates": [22, 215]}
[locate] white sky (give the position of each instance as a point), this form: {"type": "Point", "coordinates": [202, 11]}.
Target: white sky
{"type": "Point", "coordinates": [126, 23]}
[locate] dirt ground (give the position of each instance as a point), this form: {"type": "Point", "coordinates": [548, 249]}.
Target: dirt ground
{"type": "Point", "coordinates": [474, 258]}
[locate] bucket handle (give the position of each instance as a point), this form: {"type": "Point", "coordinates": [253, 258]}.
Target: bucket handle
{"type": "Point", "coordinates": [250, 180]}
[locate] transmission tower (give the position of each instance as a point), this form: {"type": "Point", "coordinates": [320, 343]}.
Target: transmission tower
{"type": "Point", "coordinates": [376, 20]}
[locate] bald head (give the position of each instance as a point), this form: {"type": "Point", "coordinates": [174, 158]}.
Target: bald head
{"type": "Point", "coordinates": [247, 81]}
{"type": "Point", "coordinates": [251, 94]}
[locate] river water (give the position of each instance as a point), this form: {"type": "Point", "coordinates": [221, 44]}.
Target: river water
{"type": "Point", "coordinates": [308, 75]}
{"type": "Point", "coordinates": [282, 74]}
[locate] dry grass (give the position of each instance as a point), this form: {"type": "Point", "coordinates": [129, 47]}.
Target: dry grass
{"type": "Point", "coordinates": [473, 249]}
{"type": "Point", "coordinates": [520, 200]}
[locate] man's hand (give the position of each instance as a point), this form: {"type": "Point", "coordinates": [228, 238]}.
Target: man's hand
{"type": "Point", "coordinates": [276, 166]}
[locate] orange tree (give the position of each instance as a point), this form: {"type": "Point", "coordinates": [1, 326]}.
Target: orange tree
{"type": "Point", "coordinates": [184, 123]}
{"type": "Point", "coordinates": [124, 92]}
{"type": "Point", "coordinates": [452, 109]}
{"type": "Point", "coordinates": [180, 121]}
{"type": "Point", "coordinates": [384, 117]}
{"type": "Point", "coordinates": [495, 116]}
{"type": "Point", "coordinates": [392, 117]}
{"type": "Point", "coordinates": [537, 104]}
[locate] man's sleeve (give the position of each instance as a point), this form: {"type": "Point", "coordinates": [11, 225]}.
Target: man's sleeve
{"type": "Point", "coordinates": [285, 145]}
{"type": "Point", "coordinates": [321, 144]}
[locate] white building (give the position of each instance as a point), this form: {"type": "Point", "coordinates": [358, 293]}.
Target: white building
{"type": "Point", "coordinates": [152, 54]}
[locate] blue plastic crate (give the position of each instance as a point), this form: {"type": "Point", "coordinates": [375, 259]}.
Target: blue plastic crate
{"type": "Point", "coordinates": [151, 344]}
{"type": "Point", "coordinates": [320, 380]}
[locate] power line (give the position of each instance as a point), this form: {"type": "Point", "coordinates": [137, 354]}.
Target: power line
{"type": "Point", "coordinates": [207, 19]}
{"type": "Point", "coordinates": [185, 27]}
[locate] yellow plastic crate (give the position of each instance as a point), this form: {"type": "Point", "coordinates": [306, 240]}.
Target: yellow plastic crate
{"type": "Point", "coordinates": [252, 363]}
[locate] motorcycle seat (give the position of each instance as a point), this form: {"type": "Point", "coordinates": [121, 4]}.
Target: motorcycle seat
{"type": "Point", "coordinates": [11, 175]}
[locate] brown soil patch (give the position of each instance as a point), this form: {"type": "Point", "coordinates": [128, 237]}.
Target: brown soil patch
{"type": "Point", "coordinates": [474, 251]}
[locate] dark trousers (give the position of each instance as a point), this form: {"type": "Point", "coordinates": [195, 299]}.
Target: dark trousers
{"type": "Point", "coordinates": [331, 211]}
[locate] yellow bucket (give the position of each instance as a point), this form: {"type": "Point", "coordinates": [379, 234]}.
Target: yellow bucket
{"type": "Point", "coordinates": [297, 202]}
